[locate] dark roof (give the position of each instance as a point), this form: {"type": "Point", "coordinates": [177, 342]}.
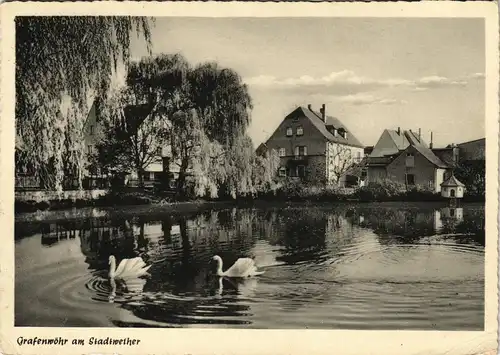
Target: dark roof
{"type": "Point", "coordinates": [136, 114]}
{"type": "Point", "coordinates": [401, 140]}
{"type": "Point", "coordinates": [261, 149]}
{"type": "Point", "coordinates": [452, 181]}
{"type": "Point", "coordinates": [315, 118]}
{"type": "Point", "coordinates": [472, 141]}
{"type": "Point", "coordinates": [423, 149]}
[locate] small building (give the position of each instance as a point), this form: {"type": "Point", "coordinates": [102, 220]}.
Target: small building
{"type": "Point", "coordinates": [403, 157]}
{"type": "Point", "coordinates": [452, 188]}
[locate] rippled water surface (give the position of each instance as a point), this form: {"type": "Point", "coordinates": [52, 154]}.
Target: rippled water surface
{"type": "Point", "coordinates": [385, 266]}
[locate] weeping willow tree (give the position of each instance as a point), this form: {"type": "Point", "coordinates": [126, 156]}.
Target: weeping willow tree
{"type": "Point", "coordinates": [221, 100]}
{"type": "Point", "coordinates": [61, 62]}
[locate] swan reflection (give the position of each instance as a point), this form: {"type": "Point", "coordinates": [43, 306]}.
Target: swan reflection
{"type": "Point", "coordinates": [245, 288]}
{"type": "Point", "coordinates": [129, 287]}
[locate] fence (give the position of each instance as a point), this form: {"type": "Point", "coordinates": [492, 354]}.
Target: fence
{"type": "Point", "coordinates": [32, 183]}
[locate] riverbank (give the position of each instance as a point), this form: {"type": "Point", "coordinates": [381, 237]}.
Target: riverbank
{"type": "Point", "coordinates": [125, 199]}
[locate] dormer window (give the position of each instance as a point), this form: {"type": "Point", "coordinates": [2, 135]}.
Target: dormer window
{"type": "Point", "coordinates": [289, 132]}
{"type": "Point", "coordinates": [300, 131]}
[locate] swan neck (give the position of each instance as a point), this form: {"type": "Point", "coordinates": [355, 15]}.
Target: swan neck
{"type": "Point", "coordinates": [219, 267]}
{"type": "Point", "coordinates": [112, 268]}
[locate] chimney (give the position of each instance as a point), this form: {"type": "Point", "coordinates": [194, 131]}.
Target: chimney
{"type": "Point", "coordinates": [323, 112]}
{"type": "Point", "coordinates": [399, 131]}
{"type": "Point", "coordinates": [430, 144]}
{"type": "Point", "coordinates": [419, 134]}
{"type": "Point", "coordinates": [309, 107]}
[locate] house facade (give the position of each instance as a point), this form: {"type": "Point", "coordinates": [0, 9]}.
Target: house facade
{"type": "Point", "coordinates": [314, 147]}
{"type": "Point", "coordinates": [403, 157]}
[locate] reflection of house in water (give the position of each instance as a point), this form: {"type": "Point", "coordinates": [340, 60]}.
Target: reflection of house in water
{"type": "Point", "coordinates": [55, 232]}
{"type": "Point", "coordinates": [448, 217]}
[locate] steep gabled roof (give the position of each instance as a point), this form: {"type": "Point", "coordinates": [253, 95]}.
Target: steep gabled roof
{"type": "Point", "coordinates": [390, 142]}
{"type": "Point", "coordinates": [422, 148]}
{"type": "Point", "coordinates": [451, 182]}
{"type": "Point", "coordinates": [400, 140]}
{"type": "Point", "coordinates": [315, 118]}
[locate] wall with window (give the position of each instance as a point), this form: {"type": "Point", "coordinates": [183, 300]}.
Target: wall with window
{"type": "Point", "coordinates": [297, 131]}
{"type": "Point", "coordinates": [411, 168]}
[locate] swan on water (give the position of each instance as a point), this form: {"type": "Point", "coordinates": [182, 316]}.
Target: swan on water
{"type": "Point", "coordinates": [128, 268]}
{"type": "Point", "coordinates": [243, 267]}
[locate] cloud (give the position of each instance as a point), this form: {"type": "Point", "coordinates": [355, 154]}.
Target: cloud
{"type": "Point", "coordinates": [366, 99]}
{"type": "Point", "coordinates": [347, 82]}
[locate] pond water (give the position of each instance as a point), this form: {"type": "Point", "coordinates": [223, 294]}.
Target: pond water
{"type": "Point", "coordinates": [364, 266]}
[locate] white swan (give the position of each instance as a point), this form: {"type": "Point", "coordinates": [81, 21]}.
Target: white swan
{"type": "Point", "coordinates": [128, 268]}
{"type": "Point", "coordinates": [243, 267]}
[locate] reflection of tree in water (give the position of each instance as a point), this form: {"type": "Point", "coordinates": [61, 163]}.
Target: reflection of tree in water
{"type": "Point", "coordinates": [470, 228]}
{"type": "Point", "coordinates": [399, 225]}
{"type": "Point", "coordinates": [301, 233]}
{"type": "Point", "coordinates": [101, 238]}
{"type": "Point", "coordinates": [187, 266]}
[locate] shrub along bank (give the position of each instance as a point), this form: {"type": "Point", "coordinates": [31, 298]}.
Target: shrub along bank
{"type": "Point", "coordinates": [287, 191]}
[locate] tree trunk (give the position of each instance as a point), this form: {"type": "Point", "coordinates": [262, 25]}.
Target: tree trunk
{"type": "Point", "coordinates": [181, 181]}
{"type": "Point", "coordinates": [140, 176]}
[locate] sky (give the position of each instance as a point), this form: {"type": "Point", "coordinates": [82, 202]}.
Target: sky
{"type": "Point", "coordinates": [371, 73]}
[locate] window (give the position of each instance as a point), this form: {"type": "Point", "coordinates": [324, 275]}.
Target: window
{"type": "Point", "coordinates": [281, 152]}
{"type": "Point", "coordinates": [300, 131]}
{"type": "Point", "coordinates": [358, 156]}
{"type": "Point", "coordinates": [282, 172]}
{"type": "Point", "coordinates": [301, 171]}
{"type": "Point", "coordinates": [364, 174]}
{"type": "Point", "coordinates": [91, 148]}
{"type": "Point", "coordinates": [410, 160]}
{"type": "Point", "coordinates": [452, 212]}
{"type": "Point", "coordinates": [91, 129]}
{"type": "Point", "coordinates": [289, 132]}
{"type": "Point", "coordinates": [410, 179]}
{"type": "Point", "coordinates": [452, 193]}
{"type": "Point", "coordinates": [300, 150]}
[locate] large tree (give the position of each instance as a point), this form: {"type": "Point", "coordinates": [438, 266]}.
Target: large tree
{"type": "Point", "coordinates": [206, 106]}
{"type": "Point", "coordinates": [61, 62]}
